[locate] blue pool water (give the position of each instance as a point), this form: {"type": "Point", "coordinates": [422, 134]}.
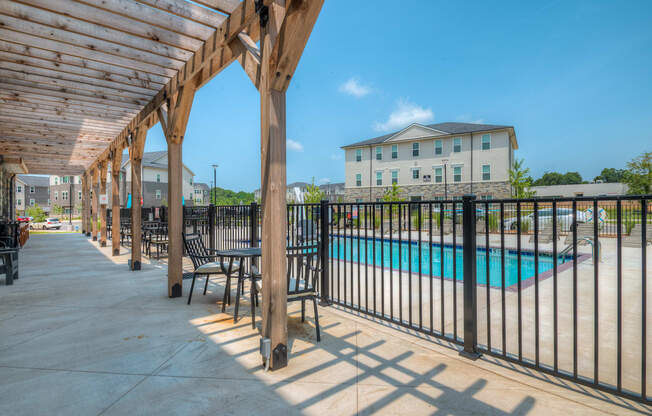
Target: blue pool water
{"type": "Point", "coordinates": [405, 255]}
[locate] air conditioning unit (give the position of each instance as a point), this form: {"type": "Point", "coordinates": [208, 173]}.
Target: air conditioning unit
{"type": "Point", "coordinates": [426, 178]}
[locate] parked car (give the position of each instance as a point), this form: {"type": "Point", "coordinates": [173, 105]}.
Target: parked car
{"type": "Point", "coordinates": [52, 223]}
{"type": "Point", "coordinates": [22, 219]}
{"type": "Point", "coordinates": [564, 219]}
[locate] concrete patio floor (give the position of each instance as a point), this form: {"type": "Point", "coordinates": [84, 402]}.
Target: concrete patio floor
{"type": "Point", "coordinates": [82, 335]}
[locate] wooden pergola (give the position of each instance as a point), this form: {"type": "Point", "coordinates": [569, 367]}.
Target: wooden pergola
{"type": "Point", "coordinates": [82, 80]}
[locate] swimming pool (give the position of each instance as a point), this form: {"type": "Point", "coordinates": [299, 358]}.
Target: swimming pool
{"type": "Point", "coordinates": [404, 255]}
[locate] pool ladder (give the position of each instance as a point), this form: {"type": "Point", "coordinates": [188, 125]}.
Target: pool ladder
{"type": "Point", "coordinates": [588, 240]}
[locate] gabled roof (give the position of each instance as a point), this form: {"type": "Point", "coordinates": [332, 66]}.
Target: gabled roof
{"type": "Point", "coordinates": [201, 185]}
{"type": "Point", "coordinates": [33, 180]}
{"type": "Point", "coordinates": [444, 128]}
{"type": "Point", "coordinates": [153, 160]}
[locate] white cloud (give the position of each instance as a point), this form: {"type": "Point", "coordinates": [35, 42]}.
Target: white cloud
{"type": "Point", "coordinates": [294, 145]}
{"type": "Point", "coordinates": [405, 114]}
{"type": "Point", "coordinates": [336, 156]}
{"type": "Point", "coordinates": [468, 119]}
{"type": "Point", "coordinates": [354, 88]}
{"type": "Point", "coordinates": [325, 180]}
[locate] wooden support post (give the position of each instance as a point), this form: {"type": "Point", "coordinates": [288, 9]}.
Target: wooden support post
{"type": "Point", "coordinates": [273, 187]}
{"type": "Point", "coordinates": [174, 123]}
{"type": "Point", "coordinates": [103, 203]}
{"type": "Point", "coordinates": [87, 195]}
{"type": "Point", "coordinates": [116, 160]}
{"type": "Point", "coordinates": [83, 212]}
{"type": "Point", "coordinates": [95, 204]}
{"type": "Point", "coordinates": [136, 157]}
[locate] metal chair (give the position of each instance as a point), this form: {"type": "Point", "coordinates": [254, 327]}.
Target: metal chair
{"type": "Point", "coordinates": [204, 262]}
{"type": "Point", "coordinates": [303, 271]}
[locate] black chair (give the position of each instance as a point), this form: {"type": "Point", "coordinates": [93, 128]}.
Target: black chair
{"type": "Point", "coordinates": [303, 271]}
{"type": "Point", "coordinates": [9, 257]}
{"type": "Point", "coordinates": [204, 262]}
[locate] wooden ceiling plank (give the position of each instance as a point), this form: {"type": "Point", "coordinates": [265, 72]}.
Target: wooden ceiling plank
{"type": "Point", "coordinates": [109, 71]}
{"type": "Point", "coordinates": [153, 16]}
{"type": "Point", "coordinates": [29, 39]}
{"type": "Point", "coordinates": [74, 25]}
{"type": "Point", "coordinates": [70, 117]}
{"type": "Point", "coordinates": [188, 10]}
{"type": "Point", "coordinates": [76, 78]}
{"type": "Point", "coordinates": [65, 92]}
{"type": "Point", "coordinates": [54, 123]}
{"type": "Point", "coordinates": [70, 111]}
{"type": "Point", "coordinates": [115, 21]}
{"type": "Point", "coordinates": [224, 6]}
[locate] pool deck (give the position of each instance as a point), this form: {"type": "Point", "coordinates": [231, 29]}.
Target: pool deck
{"type": "Point", "coordinates": [82, 335]}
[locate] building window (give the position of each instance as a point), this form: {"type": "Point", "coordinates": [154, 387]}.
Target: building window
{"type": "Point", "coordinates": [358, 200]}
{"type": "Point", "coordinates": [394, 151]}
{"type": "Point", "coordinates": [31, 202]}
{"type": "Point", "coordinates": [158, 178]}
{"type": "Point", "coordinates": [64, 195]}
{"type": "Point", "coordinates": [379, 153]}
{"type": "Point", "coordinates": [486, 141]}
{"type": "Point", "coordinates": [415, 173]}
{"type": "Point", "coordinates": [120, 176]}
{"type": "Point", "coordinates": [56, 195]}
{"type": "Point", "coordinates": [19, 202]}
{"type": "Point", "coordinates": [379, 178]}
{"type": "Point", "coordinates": [457, 145]}
{"type": "Point", "coordinates": [18, 188]}
{"type": "Point", "coordinates": [438, 175]}
{"type": "Point", "coordinates": [457, 174]}
{"type": "Point", "coordinates": [49, 202]}
{"type": "Point", "coordinates": [158, 194]}
{"type": "Point", "coordinates": [438, 147]}
{"type": "Point", "coordinates": [358, 179]}
{"type": "Point", "coordinates": [415, 149]}
{"type": "Point", "coordinates": [56, 180]}
{"type": "Point", "coordinates": [394, 177]}
{"type": "Point", "coordinates": [358, 155]}
{"type": "Point", "coordinates": [486, 172]}
{"type": "Point", "coordinates": [79, 195]}
{"type": "Point", "coordinates": [65, 179]}
{"type": "Point", "coordinates": [31, 189]}
{"type": "Point", "coordinates": [486, 197]}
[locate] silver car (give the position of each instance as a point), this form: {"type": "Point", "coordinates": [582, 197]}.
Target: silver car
{"type": "Point", "coordinates": [52, 224]}
{"type": "Point", "coordinates": [564, 219]}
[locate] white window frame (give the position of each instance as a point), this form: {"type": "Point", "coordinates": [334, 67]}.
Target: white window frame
{"type": "Point", "coordinates": [56, 195]}
{"type": "Point", "coordinates": [416, 147]}
{"type": "Point", "coordinates": [394, 153]}
{"type": "Point", "coordinates": [394, 179]}
{"type": "Point", "coordinates": [158, 194]}
{"type": "Point", "coordinates": [19, 202]}
{"type": "Point", "coordinates": [457, 141]}
{"type": "Point", "coordinates": [358, 179]}
{"type": "Point", "coordinates": [460, 167]}
{"type": "Point", "coordinates": [31, 190]}
{"type": "Point", "coordinates": [64, 195]}
{"type": "Point", "coordinates": [440, 176]}
{"type": "Point", "coordinates": [439, 146]}
{"type": "Point", "coordinates": [158, 178]}
{"type": "Point", "coordinates": [79, 195]}
{"type": "Point", "coordinates": [358, 155]}
{"type": "Point", "coordinates": [483, 173]}
{"type": "Point", "coordinates": [19, 188]}
{"type": "Point", "coordinates": [379, 152]}
{"type": "Point", "coordinates": [32, 202]}
{"type": "Point", "coordinates": [418, 170]}
{"type": "Point", "coordinates": [381, 178]}
{"type": "Point", "coordinates": [482, 142]}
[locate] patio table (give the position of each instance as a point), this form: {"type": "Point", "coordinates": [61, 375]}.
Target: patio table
{"type": "Point", "coordinates": [240, 254]}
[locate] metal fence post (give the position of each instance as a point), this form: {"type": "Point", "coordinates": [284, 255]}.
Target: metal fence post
{"type": "Point", "coordinates": [253, 224]}
{"type": "Point", "coordinates": [324, 238]}
{"type": "Point", "coordinates": [211, 226]}
{"type": "Point", "coordinates": [469, 252]}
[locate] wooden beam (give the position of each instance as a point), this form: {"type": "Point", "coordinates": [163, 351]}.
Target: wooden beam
{"type": "Point", "coordinates": [102, 167]}
{"type": "Point", "coordinates": [273, 194]}
{"type": "Point", "coordinates": [187, 10]}
{"type": "Point", "coordinates": [297, 26]}
{"type": "Point", "coordinates": [95, 203]}
{"type": "Point", "coordinates": [249, 57]}
{"type": "Point", "coordinates": [224, 6]}
{"type": "Point", "coordinates": [116, 161]}
{"type": "Point", "coordinates": [136, 157]}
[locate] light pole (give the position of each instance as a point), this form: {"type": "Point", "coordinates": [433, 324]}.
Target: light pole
{"type": "Point", "coordinates": [445, 180]}
{"type": "Point", "coordinates": [213, 190]}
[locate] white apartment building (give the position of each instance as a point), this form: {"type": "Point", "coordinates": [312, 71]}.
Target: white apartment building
{"type": "Point", "coordinates": [430, 162]}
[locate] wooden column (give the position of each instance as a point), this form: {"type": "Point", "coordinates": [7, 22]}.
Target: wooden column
{"type": "Point", "coordinates": [87, 196]}
{"type": "Point", "coordinates": [174, 121]}
{"type": "Point", "coordinates": [103, 206]}
{"type": "Point", "coordinates": [116, 160]}
{"type": "Point", "coordinates": [136, 149]}
{"type": "Point", "coordinates": [95, 204]}
{"type": "Point", "coordinates": [83, 202]}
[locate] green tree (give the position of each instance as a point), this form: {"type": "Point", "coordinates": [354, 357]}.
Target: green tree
{"type": "Point", "coordinates": [520, 180]}
{"type": "Point", "coordinates": [611, 175]}
{"type": "Point", "coordinates": [37, 213]}
{"type": "Point", "coordinates": [57, 209]}
{"type": "Point", "coordinates": [639, 175]}
{"type": "Point", "coordinates": [228, 197]}
{"type": "Point", "coordinates": [556, 178]}
{"type": "Point", "coordinates": [393, 194]}
{"type": "Point", "coordinates": [313, 194]}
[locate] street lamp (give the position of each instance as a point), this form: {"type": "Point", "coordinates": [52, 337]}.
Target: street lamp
{"type": "Point", "coordinates": [213, 190]}
{"type": "Point", "coordinates": [444, 161]}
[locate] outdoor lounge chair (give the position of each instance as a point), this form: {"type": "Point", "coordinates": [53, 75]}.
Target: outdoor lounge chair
{"type": "Point", "coordinates": [634, 239]}
{"type": "Point", "coordinates": [303, 270]}
{"type": "Point", "coordinates": [584, 230]}
{"type": "Point", "coordinates": [204, 262]}
{"type": "Point", "coordinates": [545, 234]}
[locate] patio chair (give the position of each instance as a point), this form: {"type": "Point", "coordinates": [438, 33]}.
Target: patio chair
{"type": "Point", "coordinates": [204, 262]}
{"type": "Point", "coordinates": [9, 265]}
{"type": "Point", "coordinates": [545, 234]}
{"type": "Point", "coordinates": [303, 270]}
{"type": "Point", "coordinates": [635, 236]}
{"type": "Point", "coordinates": [584, 230]}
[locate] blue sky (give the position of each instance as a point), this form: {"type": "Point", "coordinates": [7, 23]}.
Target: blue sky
{"type": "Point", "coordinates": [572, 77]}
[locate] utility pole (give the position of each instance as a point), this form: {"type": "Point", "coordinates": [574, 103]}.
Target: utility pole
{"type": "Point", "coordinates": [445, 180]}
{"type": "Point", "coordinates": [214, 189]}
{"type": "Point", "coordinates": [70, 180]}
